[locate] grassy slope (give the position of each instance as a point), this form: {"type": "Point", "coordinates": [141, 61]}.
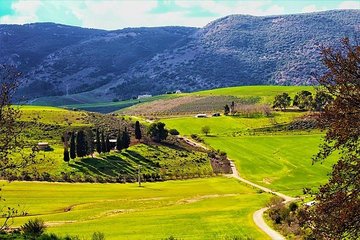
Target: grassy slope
{"type": "Point", "coordinates": [281, 161]}
{"type": "Point", "coordinates": [225, 125]}
{"type": "Point", "coordinates": [194, 209]}
{"type": "Point", "coordinates": [162, 160]}
{"type": "Point", "coordinates": [267, 93]}
{"type": "Point", "coordinates": [52, 115]}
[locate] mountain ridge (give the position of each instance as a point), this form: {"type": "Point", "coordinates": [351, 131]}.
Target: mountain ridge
{"type": "Point", "coordinates": [61, 60]}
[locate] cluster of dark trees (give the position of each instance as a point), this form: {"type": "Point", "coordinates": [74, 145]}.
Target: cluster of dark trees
{"type": "Point", "coordinates": [304, 100]}
{"type": "Point", "coordinates": [77, 144]}
{"type": "Point", "coordinates": [82, 143]}
{"type": "Point", "coordinates": [229, 109]}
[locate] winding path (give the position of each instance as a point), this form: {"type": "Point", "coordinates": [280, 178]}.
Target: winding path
{"type": "Point", "coordinates": [258, 215]}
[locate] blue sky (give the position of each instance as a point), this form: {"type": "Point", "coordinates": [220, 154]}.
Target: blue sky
{"type": "Point", "coordinates": [116, 14]}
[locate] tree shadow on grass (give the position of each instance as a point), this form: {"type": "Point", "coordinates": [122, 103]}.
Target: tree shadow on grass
{"type": "Point", "coordinates": [139, 159]}
{"type": "Point", "coordinates": [106, 166]}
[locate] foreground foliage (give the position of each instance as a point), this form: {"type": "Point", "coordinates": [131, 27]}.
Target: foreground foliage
{"type": "Point", "coordinates": [337, 213]}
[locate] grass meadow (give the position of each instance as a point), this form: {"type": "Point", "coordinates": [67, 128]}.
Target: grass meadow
{"type": "Point", "coordinates": [279, 160]}
{"type": "Point", "coordinates": [209, 208]}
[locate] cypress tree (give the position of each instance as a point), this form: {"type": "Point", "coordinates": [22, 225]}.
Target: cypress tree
{"type": "Point", "coordinates": [72, 146]}
{"type": "Point", "coordinates": [66, 155]}
{"type": "Point", "coordinates": [98, 142]}
{"type": "Point", "coordinates": [226, 109]}
{"type": "Point", "coordinates": [126, 139]}
{"type": "Point", "coordinates": [137, 131]}
{"type": "Point", "coordinates": [108, 146]}
{"type": "Point", "coordinates": [103, 143]}
{"type": "Point", "coordinates": [89, 137]}
{"type": "Point", "coordinates": [119, 143]}
{"type": "Point", "coordinates": [81, 144]}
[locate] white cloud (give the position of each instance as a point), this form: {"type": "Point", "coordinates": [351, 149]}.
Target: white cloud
{"type": "Point", "coordinates": [313, 8]}
{"type": "Point", "coordinates": [25, 12]}
{"type": "Point", "coordinates": [115, 14]}
{"type": "Point", "coordinates": [257, 8]}
{"type": "Point", "coordinates": [349, 5]}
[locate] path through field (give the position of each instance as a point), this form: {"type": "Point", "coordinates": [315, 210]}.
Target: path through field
{"type": "Point", "coordinates": [258, 215]}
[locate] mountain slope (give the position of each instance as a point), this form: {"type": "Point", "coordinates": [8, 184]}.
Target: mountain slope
{"type": "Point", "coordinates": [87, 65]}
{"type": "Point", "coordinates": [247, 50]}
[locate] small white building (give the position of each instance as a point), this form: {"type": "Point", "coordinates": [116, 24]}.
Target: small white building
{"type": "Point", "coordinates": [178, 91]}
{"type": "Point", "coordinates": [144, 96]}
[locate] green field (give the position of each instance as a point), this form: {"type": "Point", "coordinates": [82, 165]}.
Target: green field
{"type": "Point", "coordinates": [266, 93]}
{"type": "Point", "coordinates": [53, 115]}
{"type": "Point", "coordinates": [226, 125]}
{"type": "Point", "coordinates": [278, 160]}
{"type": "Point", "coordinates": [211, 101]}
{"type": "Point", "coordinates": [211, 208]}
{"type": "Point", "coordinates": [107, 107]}
{"type": "Point", "coordinates": [281, 162]}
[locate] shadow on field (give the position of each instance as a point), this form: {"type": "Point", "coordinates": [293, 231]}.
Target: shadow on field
{"type": "Point", "coordinates": [139, 159]}
{"type": "Point", "coordinates": [106, 166]}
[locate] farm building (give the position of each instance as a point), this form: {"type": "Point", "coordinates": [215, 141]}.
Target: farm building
{"type": "Point", "coordinates": [144, 96]}
{"type": "Point", "coordinates": [43, 146]}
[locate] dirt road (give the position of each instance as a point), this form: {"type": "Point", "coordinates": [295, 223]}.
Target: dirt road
{"type": "Point", "coordinates": [258, 215]}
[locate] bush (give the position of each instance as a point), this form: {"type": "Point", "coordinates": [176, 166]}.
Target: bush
{"type": "Point", "coordinates": [33, 228]}
{"type": "Point", "coordinates": [293, 207]}
{"type": "Point", "coordinates": [98, 236]}
{"type": "Point", "coordinates": [174, 132]}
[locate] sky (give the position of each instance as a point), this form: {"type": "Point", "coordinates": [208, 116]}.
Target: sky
{"type": "Point", "coordinates": [117, 14]}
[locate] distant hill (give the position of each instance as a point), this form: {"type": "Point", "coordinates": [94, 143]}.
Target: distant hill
{"type": "Point", "coordinates": [86, 65]}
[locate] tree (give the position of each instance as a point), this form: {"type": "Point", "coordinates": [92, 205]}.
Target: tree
{"type": "Point", "coordinates": [321, 100]}
{"type": "Point", "coordinates": [98, 142]}
{"type": "Point", "coordinates": [89, 136]}
{"type": "Point", "coordinates": [174, 132]}
{"type": "Point", "coordinates": [125, 139]}
{"type": "Point", "coordinates": [65, 139]}
{"type": "Point", "coordinates": [72, 146]}
{"type": "Point", "coordinates": [157, 131]}
{"type": "Point", "coordinates": [205, 129]}
{"type": "Point", "coordinates": [108, 145]}
{"type": "Point", "coordinates": [81, 144]}
{"type": "Point", "coordinates": [336, 214]}
{"type": "Point", "coordinates": [282, 101]}
{"type": "Point", "coordinates": [119, 143]}
{"type": "Point", "coordinates": [66, 155]}
{"type": "Point", "coordinates": [12, 135]}
{"type": "Point", "coordinates": [232, 108]}
{"type": "Point", "coordinates": [226, 109]}
{"type": "Point", "coordinates": [103, 143]}
{"type": "Point", "coordinates": [303, 100]}
{"type": "Point", "coordinates": [137, 131]}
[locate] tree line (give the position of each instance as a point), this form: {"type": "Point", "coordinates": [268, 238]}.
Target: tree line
{"type": "Point", "coordinates": [83, 143]}
{"type": "Point", "coordinates": [304, 100]}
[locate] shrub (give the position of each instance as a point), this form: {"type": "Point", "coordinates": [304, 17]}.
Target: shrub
{"type": "Point", "coordinates": [98, 236]}
{"type": "Point", "coordinates": [293, 207]}
{"type": "Point", "coordinates": [174, 132]}
{"type": "Point", "coordinates": [33, 228]}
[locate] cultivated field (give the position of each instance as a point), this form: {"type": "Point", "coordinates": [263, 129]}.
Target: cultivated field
{"type": "Point", "coordinates": [210, 208]}
{"type": "Point", "coordinates": [211, 101]}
